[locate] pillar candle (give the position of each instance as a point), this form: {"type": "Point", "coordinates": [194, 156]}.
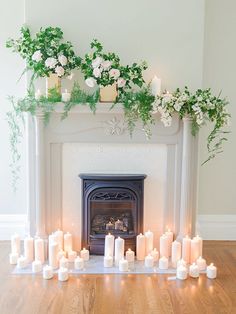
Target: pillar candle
{"type": "Point", "coordinates": [60, 254]}
{"type": "Point", "coordinates": [53, 249]}
{"type": "Point", "coordinates": [84, 254]}
{"type": "Point", "coordinates": [63, 274]}
{"type": "Point", "coordinates": [15, 243]}
{"type": "Point", "coordinates": [108, 261]}
{"type": "Point", "coordinates": [59, 235]}
{"type": "Point", "coordinates": [129, 255]}
{"type": "Point", "coordinates": [68, 242]}
{"type": "Point", "coordinates": [201, 263]}
{"type": "Point", "coordinates": [163, 263]}
{"type": "Point", "coordinates": [182, 272]}
{"type": "Point", "coordinates": [79, 263]}
{"type": "Point", "coordinates": [155, 86]}
{"type": "Point", "coordinates": [170, 236]}
{"type": "Point", "coordinates": [64, 262]}
{"type": "Point", "coordinates": [164, 245]}
{"type": "Point", "coordinates": [195, 253]}
{"type": "Point", "coordinates": [149, 261]}
{"type": "Point", "coordinates": [119, 250]}
{"type": "Point", "coordinates": [47, 272]}
{"type": "Point", "coordinates": [109, 245]}
{"type": "Point", "coordinates": [37, 267]}
{"type": "Point", "coordinates": [52, 238]}
{"type": "Point", "coordinates": [119, 225]}
{"type": "Point", "coordinates": [65, 96]}
{"type": "Point", "coordinates": [186, 249]}
{"type": "Point", "coordinates": [149, 242]}
{"type": "Point", "coordinates": [211, 271]}
{"type": "Point", "coordinates": [194, 271]}
{"type": "Point", "coordinates": [200, 241]}
{"type": "Point", "coordinates": [140, 247]}
{"type": "Point", "coordinates": [21, 262]}
{"type": "Point", "coordinates": [123, 265]}
{"type": "Point", "coordinates": [39, 250]}
{"type": "Point", "coordinates": [175, 253]}
{"type": "Point", "coordinates": [72, 256]}
{"type": "Point", "coordinates": [13, 257]}
{"type": "Point", "coordinates": [29, 249]}
{"type": "Point", "coordinates": [155, 255]}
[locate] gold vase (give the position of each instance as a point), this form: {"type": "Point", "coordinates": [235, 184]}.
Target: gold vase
{"type": "Point", "coordinates": [108, 93]}
{"type": "Point", "coordinates": [53, 81]}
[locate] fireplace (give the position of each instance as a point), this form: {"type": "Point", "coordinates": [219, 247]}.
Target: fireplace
{"type": "Point", "coordinates": [111, 204]}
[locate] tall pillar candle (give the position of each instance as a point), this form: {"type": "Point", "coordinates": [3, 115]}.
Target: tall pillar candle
{"type": "Point", "coordinates": [29, 249]}
{"type": "Point", "coordinates": [170, 236]}
{"type": "Point", "coordinates": [67, 242]}
{"type": "Point", "coordinates": [59, 235]}
{"type": "Point", "coordinates": [39, 250]}
{"type": "Point", "coordinates": [164, 246]}
{"type": "Point", "coordinates": [186, 249]}
{"type": "Point", "coordinates": [200, 241]}
{"type": "Point", "coordinates": [119, 250]}
{"type": "Point", "coordinates": [53, 250]}
{"type": "Point", "coordinates": [15, 243]}
{"type": "Point", "coordinates": [140, 247]}
{"type": "Point", "coordinates": [109, 245]}
{"type": "Point", "coordinates": [195, 250]}
{"type": "Point", "coordinates": [149, 241]}
{"type": "Point", "coordinates": [175, 253]}
{"type": "Point", "coordinates": [155, 86]}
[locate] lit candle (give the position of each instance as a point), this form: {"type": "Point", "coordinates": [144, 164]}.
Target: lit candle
{"type": "Point", "coordinates": [163, 263]}
{"type": "Point", "coordinates": [21, 262]}
{"type": "Point", "coordinates": [72, 256]}
{"type": "Point", "coordinates": [155, 255]}
{"type": "Point", "coordinates": [129, 255]}
{"type": "Point", "coordinates": [155, 86]}
{"type": "Point", "coordinates": [79, 263]}
{"type": "Point", "coordinates": [84, 254]}
{"type": "Point", "coordinates": [182, 272]}
{"type": "Point", "coordinates": [59, 236]}
{"type": "Point", "coordinates": [164, 245]}
{"type": "Point", "coordinates": [149, 241]}
{"type": "Point", "coordinates": [15, 243]}
{"type": "Point", "coordinates": [65, 96]}
{"type": "Point", "coordinates": [53, 249]}
{"type": "Point", "coordinates": [64, 263]}
{"type": "Point", "coordinates": [39, 250]}
{"type": "Point", "coordinates": [68, 242]}
{"type": "Point", "coordinates": [170, 236]}
{"type": "Point", "coordinates": [108, 261]}
{"type": "Point", "coordinates": [201, 263]}
{"type": "Point", "coordinates": [140, 247]}
{"type": "Point", "coordinates": [186, 249]}
{"type": "Point", "coordinates": [119, 250]}
{"type": "Point", "coordinates": [195, 250]}
{"type": "Point", "coordinates": [37, 267]}
{"type": "Point", "coordinates": [200, 241]}
{"type": "Point", "coordinates": [63, 274]}
{"type": "Point", "coordinates": [29, 249]}
{"type": "Point", "coordinates": [13, 257]}
{"type": "Point", "coordinates": [181, 262]}
{"type": "Point", "coordinates": [194, 271]}
{"type": "Point", "coordinates": [149, 261]}
{"type": "Point", "coordinates": [211, 271]}
{"type": "Point", "coordinates": [123, 265]}
{"type": "Point", "coordinates": [175, 253]}
{"type": "Point", "coordinates": [37, 94]}
{"type": "Point", "coordinates": [109, 245]}
{"type": "Point", "coordinates": [109, 226]}
{"type": "Point", "coordinates": [60, 254]}
{"type": "Point", "coordinates": [47, 272]}
{"type": "Point", "coordinates": [119, 225]}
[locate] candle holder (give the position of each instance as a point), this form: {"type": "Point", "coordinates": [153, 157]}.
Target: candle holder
{"type": "Point", "coordinates": [108, 93]}
{"type": "Point", "coordinates": [53, 82]}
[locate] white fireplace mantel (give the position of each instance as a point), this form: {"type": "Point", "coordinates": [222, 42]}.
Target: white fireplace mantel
{"type": "Point", "coordinates": [45, 145]}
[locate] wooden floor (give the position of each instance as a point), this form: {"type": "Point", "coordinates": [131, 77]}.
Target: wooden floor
{"type": "Point", "coordinates": [113, 294]}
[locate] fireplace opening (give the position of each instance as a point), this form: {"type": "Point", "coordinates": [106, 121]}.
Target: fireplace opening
{"type": "Point", "coordinates": [111, 204]}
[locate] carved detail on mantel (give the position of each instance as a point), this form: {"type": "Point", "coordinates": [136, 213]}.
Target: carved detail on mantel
{"type": "Point", "coordinates": [114, 126]}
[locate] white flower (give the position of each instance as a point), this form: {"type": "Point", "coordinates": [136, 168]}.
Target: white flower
{"type": "Point", "coordinates": [115, 73]}
{"type": "Point", "coordinates": [178, 106]}
{"type": "Point", "coordinates": [199, 99]}
{"type": "Point", "coordinates": [91, 82]}
{"type": "Point", "coordinates": [96, 62]}
{"type": "Point", "coordinates": [121, 82]}
{"type": "Point", "coordinates": [106, 64]}
{"type": "Point", "coordinates": [63, 60]}
{"type": "Point", "coordinates": [37, 56]}
{"type": "Point", "coordinates": [96, 72]}
{"type": "Point", "coordinates": [59, 70]}
{"type": "Point", "coordinates": [51, 63]}
{"type": "Point", "coordinates": [166, 98]}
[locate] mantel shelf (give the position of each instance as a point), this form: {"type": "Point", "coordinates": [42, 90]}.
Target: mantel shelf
{"type": "Point", "coordinates": [100, 108]}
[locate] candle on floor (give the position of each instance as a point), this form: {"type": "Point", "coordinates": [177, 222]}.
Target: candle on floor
{"type": "Point", "coordinates": [119, 250]}
{"type": "Point", "coordinates": [65, 96]}
{"type": "Point", "coordinates": [119, 225]}
{"type": "Point", "coordinates": [67, 242]}
{"type": "Point", "coordinates": [21, 262]}
{"type": "Point", "coordinates": [29, 249]}
{"type": "Point", "coordinates": [195, 250]}
{"type": "Point", "coordinates": [200, 241]}
{"type": "Point", "coordinates": [59, 235]}
{"type": "Point", "coordinates": [60, 254]}
{"type": "Point", "coordinates": [15, 243]}
{"type": "Point", "coordinates": [149, 261]}
{"type": "Point", "coordinates": [52, 238]}
{"type": "Point", "coordinates": [211, 271]}
{"type": "Point", "coordinates": [123, 265]}
{"type": "Point", "coordinates": [181, 262]}
{"type": "Point", "coordinates": [79, 263]}
{"type": "Point", "coordinates": [39, 250]}
{"type": "Point", "coordinates": [140, 247]}
{"type": "Point", "coordinates": [13, 257]}
{"type": "Point", "coordinates": [38, 94]}
{"type": "Point", "coordinates": [63, 274]}
{"type": "Point", "coordinates": [175, 253]}
{"type": "Point", "coordinates": [84, 254]}
{"type": "Point", "coordinates": [155, 86]}
{"type": "Point", "coordinates": [201, 263]}
{"type": "Point", "coordinates": [72, 256]}
{"type": "Point", "coordinates": [170, 236]}
{"type": "Point", "coordinates": [64, 262]}
{"type": "Point", "coordinates": [108, 261]}
{"type": "Point", "coordinates": [186, 249]}
{"type": "Point", "coordinates": [47, 272]}
{"type": "Point", "coordinates": [37, 266]}
{"type": "Point", "coordinates": [129, 255]}
{"type": "Point", "coordinates": [109, 245]}
{"type": "Point", "coordinates": [182, 272]}
{"type": "Point", "coordinates": [164, 245]}
{"type": "Point", "coordinates": [163, 263]}
{"type": "Point", "coordinates": [53, 249]}
{"type": "Point", "coordinates": [149, 241]}
{"type": "Point", "coordinates": [155, 255]}
{"type": "Point", "coordinates": [194, 271]}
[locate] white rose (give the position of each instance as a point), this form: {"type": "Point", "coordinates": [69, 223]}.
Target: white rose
{"type": "Point", "coordinates": [59, 70]}
{"type": "Point", "coordinates": [51, 63]}
{"type": "Point", "coordinates": [178, 106]}
{"type": "Point", "coordinates": [106, 64]}
{"type": "Point", "coordinates": [37, 56]}
{"type": "Point", "coordinates": [121, 82]}
{"type": "Point", "coordinates": [96, 72]}
{"type": "Point", "coordinates": [96, 62]}
{"type": "Point", "coordinates": [91, 82]}
{"type": "Point", "coordinates": [115, 73]}
{"type": "Point", "coordinates": [63, 60]}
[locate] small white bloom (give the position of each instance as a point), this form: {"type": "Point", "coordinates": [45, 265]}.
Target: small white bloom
{"type": "Point", "coordinates": [59, 70]}
{"type": "Point", "coordinates": [50, 63]}
{"type": "Point", "coordinates": [199, 121]}
{"type": "Point", "coordinates": [96, 72]}
{"type": "Point", "coordinates": [37, 56]}
{"type": "Point", "coordinates": [63, 60]}
{"type": "Point", "coordinates": [199, 99]}
{"type": "Point", "coordinates": [91, 82]}
{"type": "Point", "coordinates": [106, 64]}
{"type": "Point", "coordinates": [121, 82]}
{"type": "Point", "coordinates": [115, 73]}
{"type": "Point", "coordinates": [96, 62]}
{"type": "Point", "coordinates": [178, 106]}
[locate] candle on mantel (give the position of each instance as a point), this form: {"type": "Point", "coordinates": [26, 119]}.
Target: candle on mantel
{"type": "Point", "coordinates": [37, 267]}
{"type": "Point", "coordinates": [123, 265]}
{"type": "Point", "coordinates": [39, 250]}
{"type": "Point", "coordinates": [110, 226]}
{"type": "Point", "coordinates": [163, 263]}
{"type": "Point", "coordinates": [182, 272]}
{"type": "Point", "coordinates": [63, 274]}
{"type": "Point", "coordinates": [211, 271]}
{"type": "Point", "coordinates": [119, 250]}
{"type": "Point", "coordinates": [15, 243]}
{"type": "Point", "coordinates": [29, 249]}
{"type": "Point", "coordinates": [164, 245]}
{"type": "Point", "coordinates": [59, 236]}
{"type": "Point", "coordinates": [170, 236]}
{"type": "Point", "coordinates": [37, 94]}
{"type": "Point", "coordinates": [175, 253]}
{"type": "Point", "coordinates": [108, 261]}
{"type": "Point", "coordinates": [155, 255]}
{"type": "Point", "coordinates": [201, 263]}
{"type": "Point", "coordinates": [13, 257]}
{"type": "Point", "coordinates": [84, 254]}
{"type": "Point", "coordinates": [155, 86]}
{"type": "Point", "coordinates": [21, 262]}
{"type": "Point", "coordinates": [149, 241]}
{"type": "Point", "coordinates": [119, 225]}
{"type": "Point", "coordinates": [47, 272]}
{"type": "Point", "coordinates": [79, 263]}
{"type": "Point", "coordinates": [72, 256]}
{"type": "Point", "coordinates": [200, 241]}
{"type": "Point", "coordinates": [53, 249]}
{"type": "Point", "coordinates": [195, 250]}
{"type": "Point", "coordinates": [109, 245]}
{"type": "Point", "coordinates": [194, 271]}
{"type": "Point", "coordinates": [129, 255]}
{"type": "Point", "coordinates": [149, 261]}
{"type": "Point", "coordinates": [67, 242]}
{"type": "Point", "coordinates": [186, 249]}
{"type": "Point", "coordinates": [140, 247]}
{"type": "Point", "coordinates": [65, 96]}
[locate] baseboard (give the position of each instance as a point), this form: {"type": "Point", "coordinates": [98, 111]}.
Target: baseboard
{"type": "Point", "coordinates": [216, 227]}
{"type": "Point", "coordinates": [10, 224]}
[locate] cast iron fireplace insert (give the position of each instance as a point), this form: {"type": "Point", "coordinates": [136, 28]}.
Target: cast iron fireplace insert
{"type": "Point", "coordinates": [111, 203]}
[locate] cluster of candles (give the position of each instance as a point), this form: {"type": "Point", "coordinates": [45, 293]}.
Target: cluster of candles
{"type": "Point", "coordinates": [66, 96]}
{"type": "Point", "coordinates": [59, 250]}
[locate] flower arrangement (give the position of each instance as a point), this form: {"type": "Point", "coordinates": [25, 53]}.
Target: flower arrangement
{"type": "Point", "coordinates": [103, 69]}
{"type": "Point", "coordinates": [45, 53]}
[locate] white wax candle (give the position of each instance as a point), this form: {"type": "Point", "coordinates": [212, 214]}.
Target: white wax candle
{"type": "Point", "coordinates": [72, 256]}
{"type": "Point", "coordinates": [163, 263]}
{"type": "Point", "coordinates": [149, 261]}
{"type": "Point", "coordinates": [39, 250]}
{"type": "Point", "coordinates": [123, 265]}
{"type": "Point", "coordinates": [181, 262]}
{"type": "Point", "coordinates": [211, 271]}
{"type": "Point", "coordinates": [186, 249]}
{"type": "Point", "coordinates": [21, 262]}
{"type": "Point", "coordinates": [64, 263]}
{"type": "Point", "coordinates": [63, 274]}
{"type": "Point", "coordinates": [164, 245]}
{"type": "Point", "coordinates": [60, 254]}
{"type": "Point", "coordinates": [37, 266]}
{"type": "Point", "coordinates": [79, 263]}
{"type": "Point", "coordinates": [59, 235]}
{"type": "Point", "coordinates": [170, 236]}
{"type": "Point", "coordinates": [195, 250]}
{"type": "Point", "coordinates": [53, 249]}
{"type": "Point", "coordinates": [29, 249]}
{"type": "Point", "coordinates": [37, 94]}
{"type": "Point", "coordinates": [149, 241]}
{"type": "Point", "coordinates": [201, 263]}
{"type": "Point", "coordinates": [67, 242]}
{"type": "Point", "coordinates": [119, 250]}
{"type": "Point", "coordinates": [182, 272]}
{"type": "Point", "coordinates": [52, 238]}
{"type": "Point", "coordinates": [194, 271]}
{"type": "Point", "coordinates": [13, 257]}
{"type": "Point", "coordinates": [175, 253]}
{"type": "Point", "coordinates": [129, 255]}
{"type": "Point", "coordinates": [155, 255]}
{"type": "Point", "coordinates": [155, 86]}
{"type": "Point", "coordinates": [140, 247]}
{"type": "Point", "coordinates": [119, 225]}
{"type": "Point", "coordinates": [84, 254]}
{"type": "Point", "coordinates": [15, 243]}
{"type": "Point", "coordinates": [47, 272]}
{"type": "Point", "coordinates": [200, 241]}
{"type": "Point", "coordinates": [108, 261]}
{"type": "Point", "coordinates": [65, 96]}
{"type": "Point", "coordinates": [109, 245]}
